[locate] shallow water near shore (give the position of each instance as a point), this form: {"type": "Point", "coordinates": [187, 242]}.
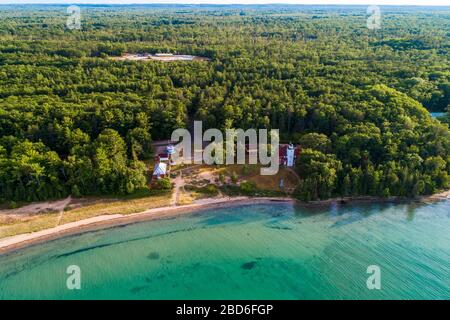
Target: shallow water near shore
{"type": "Point", "coordinates": [264, 251]}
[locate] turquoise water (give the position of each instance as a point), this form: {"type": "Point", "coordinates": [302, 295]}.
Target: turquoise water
{"type": "Point", "coordinates": [437, 114]}
{"type": "Point", "coordinates": [276, 251]}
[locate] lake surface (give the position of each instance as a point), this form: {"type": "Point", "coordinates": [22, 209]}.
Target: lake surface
{"type": "Point", "coordinates": [276, 251]}
{"type": "Point", "coordinates": [437, 114]}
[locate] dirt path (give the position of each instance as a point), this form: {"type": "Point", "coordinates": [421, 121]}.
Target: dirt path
{"type": "Point", "coordinates": [179, 182]}
{"type": "Point", "coordinates": [35, 208]}
{"type": "Point", "coordinates": [64, 204]}
{"type": "Point", "coordinates": [294, 173]}
{"type": "Point", "coordinates": [187, 169]}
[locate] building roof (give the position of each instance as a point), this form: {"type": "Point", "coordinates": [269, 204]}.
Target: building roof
{"type": "Point", "coordinates": [170, 149]}
{"type": "Point", "coordinates": [160, 169]}
{"type": "Point", "coordinates": [282, 150]}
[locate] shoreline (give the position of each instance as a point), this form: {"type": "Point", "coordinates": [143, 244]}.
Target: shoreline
{"type": "Point", "coordinates": [444, 195]}
{"type": "Point", "coordinates": [20, 241]}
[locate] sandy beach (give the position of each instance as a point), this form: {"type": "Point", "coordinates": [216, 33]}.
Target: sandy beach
{"type": "Point", "coordinates": [104, 221]}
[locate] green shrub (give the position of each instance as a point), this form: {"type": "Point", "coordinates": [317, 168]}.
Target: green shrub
{"type": "Point", "coordinates": [248, 187]}
{"type": "Point", "coordinates": [162, 184]}
{"type": "Point", "coordinates": [210, 189]}
{"type": "Point", "coordinates": [234, 177]}
{"type": "Point", "coordinates": [75, 191]}
{"type": "Point", "coordinates": [13, 205]}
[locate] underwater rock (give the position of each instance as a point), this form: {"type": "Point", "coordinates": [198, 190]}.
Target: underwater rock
{"type": "Point", "coordinates": [248, 265]}
{"type": "Point", "coordinates": [153, 256]}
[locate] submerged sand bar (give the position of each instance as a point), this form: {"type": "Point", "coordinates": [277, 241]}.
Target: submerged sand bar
{"type": "Point", "coordinates": [167, 57]}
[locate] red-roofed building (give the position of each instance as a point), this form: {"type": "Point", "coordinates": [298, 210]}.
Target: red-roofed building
{"type": "Point", "coordinates": [288, 154]}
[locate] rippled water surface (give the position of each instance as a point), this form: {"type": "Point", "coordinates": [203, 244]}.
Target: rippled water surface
{"type": "Point", "coordinates": [276, 251]}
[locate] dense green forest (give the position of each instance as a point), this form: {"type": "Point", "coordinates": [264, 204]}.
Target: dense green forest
{"type": "Point", "coordinates": [74, 121]}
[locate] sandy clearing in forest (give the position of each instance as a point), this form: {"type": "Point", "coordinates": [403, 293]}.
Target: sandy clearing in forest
{"type": "Point", "coordinates": [159, 57]}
